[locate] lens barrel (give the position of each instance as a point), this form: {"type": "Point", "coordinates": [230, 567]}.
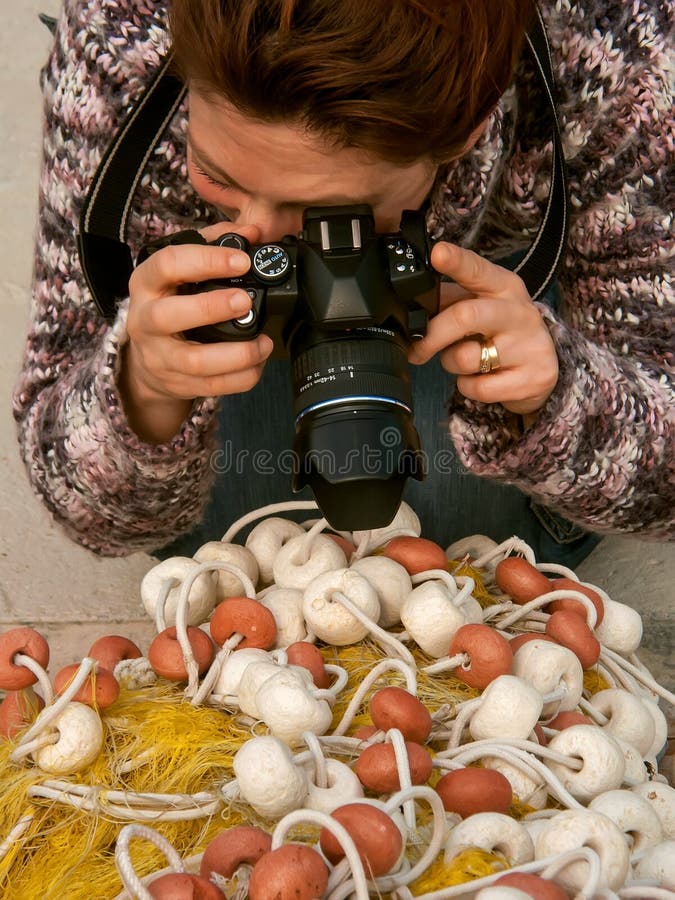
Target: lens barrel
{"type": "Point", "coordinates": [355, 442]}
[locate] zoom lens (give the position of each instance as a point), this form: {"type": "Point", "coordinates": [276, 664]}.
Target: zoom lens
{"type": "Point", "coordinates": [355, 441]}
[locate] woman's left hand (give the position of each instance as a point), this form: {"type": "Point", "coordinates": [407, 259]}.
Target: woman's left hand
{"type": "Point", "coordinates": [489, 304]}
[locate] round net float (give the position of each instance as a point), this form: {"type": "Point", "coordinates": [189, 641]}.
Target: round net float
{"type": "Point", "coordinates": [309, 657]}
{"type": "Point", "coordinates": [521, 580]}
{"type": "Point", "coordinates": [560, 584]}
{"type": "Point", "coordinates": [242, 844]}
{"type": "Point", "coordinates": [467, 791]}
{"type": "Point", "coordinates": [242, 615]}
{"type": "Point", "coordinates": [266, 539]}
{"type": "Point", "coordinates": [291, 872]}
{"type": "Point", "coordinates": [376, 836]}
{"type": "Point", "coordinates": [393, 707]}
{"type": "Point", "coordinates": [21, 642]}
{"type": "Point", "coordinates": [228, 582]}
{"type": "Point", "coordinates": [112, 649]}
{"type": "Point", "coordinates": [100, 691]}
{"type": "Point", "coordinates": [569, 629]}
{"type": "Point", "coordinates": [166, 654]}
{"type": "Point", "coordinates": [415, 554]}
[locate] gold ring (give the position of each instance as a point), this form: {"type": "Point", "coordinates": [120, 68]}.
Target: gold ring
{"type": "Point", "coordinates": [489, 358]}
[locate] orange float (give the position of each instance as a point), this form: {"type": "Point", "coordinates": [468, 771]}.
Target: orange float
{"type": "Point", "coordinates": [181, 886]}
{"type": "Point", "coordinates": [521, 580]}
{"type": "Point", "coordinates": [568, 628]}
{"type": "Point", "coordinates": [376, 837]}
{"type": "Point", "coordinates": [242, 615]}
{"type": "Point", "coordinates": [490, 654]}
{"type": "Point", "coordinates": [536, 887]}
{"type": "Point", "coordinates": [292, 872]}
{"type": "Point", "coordinates": [112, 649]}
{"type": "Point", "coordinates": [309, 657]}
{"type": "Point", "coordinates": [376, 767]}
{"type": "Point", "coordinates": [166, 656]}
{"type": "Point", "coordinates": [471, 790]}
{"type": "Point", "coordinates": [24, 641]}
{"type": "Point", "coordinates": [394, 707]}
{"type": "Point", "coordinates": [17, 710]}
{"type": "Point", "coordinates": [559, 584]}
{"type": "Point", "coordinates": [100, 690]}
{"type": "Point", "coordinates": [416, 554]}
{"type": "Point", "coordinates": [225, 853]}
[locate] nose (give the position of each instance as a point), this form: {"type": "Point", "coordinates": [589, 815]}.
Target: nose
{"type": "Point", "coordinates": [273, 221]}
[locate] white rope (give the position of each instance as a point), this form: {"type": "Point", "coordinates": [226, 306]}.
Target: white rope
{"type": "Point", "coordinates": [125, 867]}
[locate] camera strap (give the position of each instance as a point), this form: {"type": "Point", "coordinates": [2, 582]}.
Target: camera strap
{"type": "Point", "coordinates": [105, 256]}
{"type": "Point", "coordinates": [540, 265]}
{"type": "Point", "coordinates": [107, 261]}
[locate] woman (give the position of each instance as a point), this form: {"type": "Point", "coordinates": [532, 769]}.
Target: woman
{"type": "Point", "coordinates": [400, 104]}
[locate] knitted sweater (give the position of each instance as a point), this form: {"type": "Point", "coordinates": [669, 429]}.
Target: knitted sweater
{"type": "Point", "coordinates": [601, 448]}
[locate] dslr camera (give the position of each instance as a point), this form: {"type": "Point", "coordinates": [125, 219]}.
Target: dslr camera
{"type": "Point", "coordinates": [342, 303]}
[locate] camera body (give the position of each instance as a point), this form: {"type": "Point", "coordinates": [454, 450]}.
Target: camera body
{"type": "Point", "coordinates": [337, 273]}
{"type": "Point", "coordinates": [342, 303]}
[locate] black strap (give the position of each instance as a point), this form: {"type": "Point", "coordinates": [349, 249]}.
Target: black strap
{"type": "Point", "coordinates": [540, 265]}
{"type": "Point", "coordinates": [49, 21]}
{"type": "Point", "coordinates": [106, 259]}
{"type": "Point", "coordinates": [105, 256]}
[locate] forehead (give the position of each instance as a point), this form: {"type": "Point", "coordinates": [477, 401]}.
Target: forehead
{"type": "Point", "coordinates": [282, 160]}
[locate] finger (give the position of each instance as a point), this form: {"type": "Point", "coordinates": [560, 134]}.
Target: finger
{"type": "Point", "coordinates": [462, 357]}
{"type": "Point", "coordinates": [212, 232]}
{"type": "Point", "coordinates": [172, 315]}
{"type": "Point", "coordinates": [217, 385]}
{"type": "Point", "coordinates": [500, 386]}
{"type": "Point", "coordinates": [210, 360]}
{"type": "Point", "coordinates": [512, 388]}
{"type": "Point", "coordinates": [464, 318]}
{"type": "Point", "coordinates": [451, 293]}
{"type": "Point", "coordinates": [473, 272]}
{"type": "Point", "coordinates": [162, 273]}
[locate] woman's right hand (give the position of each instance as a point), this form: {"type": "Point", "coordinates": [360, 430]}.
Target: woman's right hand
{"type": "Point", "coordinates": [162, 372]}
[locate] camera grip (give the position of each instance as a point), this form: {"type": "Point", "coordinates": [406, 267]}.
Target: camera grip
{"type": "Point", "coordinates": [189, 236]}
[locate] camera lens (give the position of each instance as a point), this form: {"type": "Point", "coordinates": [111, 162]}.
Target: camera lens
{"type": "Point", "coordinates": [355, 441]}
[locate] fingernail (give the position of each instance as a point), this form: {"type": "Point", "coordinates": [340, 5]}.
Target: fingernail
{"type": "Point", "coordinates": [266, 343]}
{"type": "Point", "coordinates": [241, 302]}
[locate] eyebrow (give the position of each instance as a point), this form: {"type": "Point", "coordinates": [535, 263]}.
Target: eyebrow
{"type": "Point", "coordinates": [214, 170]}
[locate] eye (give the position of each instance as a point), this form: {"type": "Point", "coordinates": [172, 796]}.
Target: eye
{"type": "Point", "coordinates": [223, 185]}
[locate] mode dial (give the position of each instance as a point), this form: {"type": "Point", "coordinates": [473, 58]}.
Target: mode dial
{"type": "Point", "coordinates": [271, 263]}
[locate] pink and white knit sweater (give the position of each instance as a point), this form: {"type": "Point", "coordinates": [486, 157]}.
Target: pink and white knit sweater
{"type": "Point", "coordinates": [601, 452]}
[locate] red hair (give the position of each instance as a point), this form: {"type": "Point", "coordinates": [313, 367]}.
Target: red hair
{"type": "Point", "coordinates": [401, 79]}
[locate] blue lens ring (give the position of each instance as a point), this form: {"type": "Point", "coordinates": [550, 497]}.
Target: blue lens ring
{"type": "Point", "coordinates": [341, 401]}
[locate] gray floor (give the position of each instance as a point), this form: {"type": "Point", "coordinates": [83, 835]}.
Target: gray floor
{"type": "Point", "coordinates": [70, 594]}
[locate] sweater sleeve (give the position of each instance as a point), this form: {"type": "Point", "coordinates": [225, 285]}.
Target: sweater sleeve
{"type": "Point", "coordinates": [601, 451]}
{"type": "Point", "coordinates": [111, 492]}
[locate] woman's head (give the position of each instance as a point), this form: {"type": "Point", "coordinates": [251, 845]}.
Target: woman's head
{"type": "Point", "coordinates": [399, 79]}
